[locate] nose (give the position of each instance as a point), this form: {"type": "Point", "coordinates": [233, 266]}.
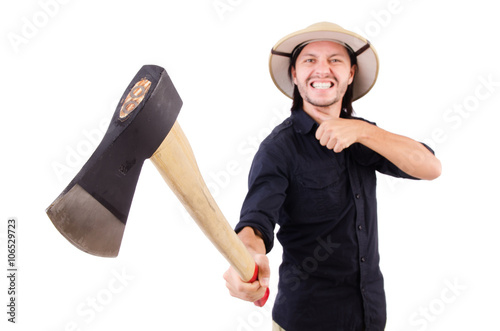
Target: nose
{"type": "Point", "coordinates": [323, 67]}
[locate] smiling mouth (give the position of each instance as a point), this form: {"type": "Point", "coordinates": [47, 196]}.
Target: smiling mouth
{"type": "Point", "coordinates": [322, 85]}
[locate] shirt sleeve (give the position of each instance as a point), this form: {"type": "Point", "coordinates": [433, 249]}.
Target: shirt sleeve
{"type": "Point", "coordinates": [267, 185]}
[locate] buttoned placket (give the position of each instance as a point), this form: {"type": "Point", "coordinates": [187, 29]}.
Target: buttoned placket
{"type": "Point", "coordinates": [361, 228]}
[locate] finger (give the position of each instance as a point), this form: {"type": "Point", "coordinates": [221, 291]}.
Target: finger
{"type": "Point", "coordinates": [264, 269]}
{"type": "Point", "coordinates": [332, 143]}
{"type": "Point", "coordinates": [340, 147]}
{"type": "Point", "coordinates": [245, 291]}
{"type": "Point", "coordinates": [230, 276]}
{"type": "Point", "coordinates": [319, 132]}
{"type": "Point", "coordinates": [233, 281]}
{"type": "Point", "coordinates": [251, 291]}
{"type": "Point", "coordinates": [324, 131]}
{"type": "Point", "coordinates": [326, 139]}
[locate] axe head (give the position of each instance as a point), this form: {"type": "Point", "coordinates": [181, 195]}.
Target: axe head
{"type": "Point", "coordinates": [92, 210]}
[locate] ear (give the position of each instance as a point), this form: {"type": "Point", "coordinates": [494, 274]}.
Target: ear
{"type": "Point", "coordinates": [294, 75]}
{"type": "Point", "coordinates": [354, 68]}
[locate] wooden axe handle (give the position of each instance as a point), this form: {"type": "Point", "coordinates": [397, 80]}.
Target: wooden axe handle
{"type": "Point", "coordinates": [175, 160]}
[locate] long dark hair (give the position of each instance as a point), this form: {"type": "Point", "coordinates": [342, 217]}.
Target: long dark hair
{"type": "Point", "coordinates": [298, 102]}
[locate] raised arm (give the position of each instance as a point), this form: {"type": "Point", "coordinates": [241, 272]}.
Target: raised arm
{"type": "Point", "coordinates": [407, 154]}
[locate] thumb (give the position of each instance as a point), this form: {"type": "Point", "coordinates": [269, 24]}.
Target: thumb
{"type": "Point", "coordinates": [264, 269]}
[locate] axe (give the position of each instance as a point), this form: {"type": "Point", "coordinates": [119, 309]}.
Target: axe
{"type": "Point", "coordinates": [92, 210]}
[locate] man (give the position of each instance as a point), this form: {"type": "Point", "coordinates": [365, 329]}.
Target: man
{"type": "Point", "coordinates": [314, 175]}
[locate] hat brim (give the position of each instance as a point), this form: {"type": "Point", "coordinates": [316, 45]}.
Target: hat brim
{"type": "Point", "coordinates": [367, 61]}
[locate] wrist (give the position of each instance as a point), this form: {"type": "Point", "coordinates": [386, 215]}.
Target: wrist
{"type": "Point", "coordinates": [365, 132]}
{"type": "Point", "coordinates": [252, 239]}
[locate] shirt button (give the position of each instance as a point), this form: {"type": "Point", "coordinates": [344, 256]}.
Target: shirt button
{"type": "Point", "coordinates": [358, 196]}
{"type": "Point", "coordinates": [363, 259]}
{"type": "Point", "coordinates": [360, 227]}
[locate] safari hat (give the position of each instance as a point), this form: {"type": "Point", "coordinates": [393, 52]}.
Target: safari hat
{"type": "Point", "coordinates": [367, 58]}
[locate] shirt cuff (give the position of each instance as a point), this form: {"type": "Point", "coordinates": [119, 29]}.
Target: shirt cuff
{"type": "Point", "coordinates": [267, 235]}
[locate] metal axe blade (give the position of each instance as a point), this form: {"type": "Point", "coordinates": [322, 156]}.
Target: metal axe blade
{"type": "Point", "coordinates": [86, 223]}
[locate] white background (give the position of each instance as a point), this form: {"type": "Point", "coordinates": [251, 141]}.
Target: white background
{"type": "Point", "coordinates": [65, 65]}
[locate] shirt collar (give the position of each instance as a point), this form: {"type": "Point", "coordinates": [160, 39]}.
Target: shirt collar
{"type": "Point", "coordinates": [303, 123]}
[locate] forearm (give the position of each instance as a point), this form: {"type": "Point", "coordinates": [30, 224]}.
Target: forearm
{"type": "Point", "coordinates": [407, 154]}
{"type": "Point", "coordinates": [252, 240]}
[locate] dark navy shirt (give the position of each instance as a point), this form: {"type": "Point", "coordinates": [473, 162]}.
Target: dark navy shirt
{"type": "Point", "coordinates": [325, 205]}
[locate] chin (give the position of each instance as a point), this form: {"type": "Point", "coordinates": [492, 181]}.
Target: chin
{"type": "Point", "coordinates": [322, 103]}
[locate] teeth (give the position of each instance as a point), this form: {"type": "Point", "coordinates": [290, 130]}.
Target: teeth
{"type": "Point", "coordinates": [321, 85]}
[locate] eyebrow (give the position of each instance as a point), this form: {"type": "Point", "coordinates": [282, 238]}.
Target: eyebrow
{"type": "Point", "coordinates": [333, 55]}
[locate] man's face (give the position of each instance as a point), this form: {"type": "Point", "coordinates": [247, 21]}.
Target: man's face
{"type": "Point", "coordinates": [322, 74]}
